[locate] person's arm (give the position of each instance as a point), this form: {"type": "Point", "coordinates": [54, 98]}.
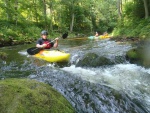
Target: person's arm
{"type": "Point", "coordinates": [39, 45]}
{"type": "Point", "coordinates": [56, 43]}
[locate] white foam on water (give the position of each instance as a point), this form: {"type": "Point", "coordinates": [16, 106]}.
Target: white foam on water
{"type": "Point", "coordinates": [51, 65]}
{"type": "Point", "coordinates": [23, 52]}
{"type": "Point", "coordinates": [130, 78]}
{"type": "Point", "coordinates": [80, 72]}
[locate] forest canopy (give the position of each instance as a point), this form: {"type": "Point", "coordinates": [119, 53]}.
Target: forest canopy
{"type": "Point", "coordinates": [25, 19]}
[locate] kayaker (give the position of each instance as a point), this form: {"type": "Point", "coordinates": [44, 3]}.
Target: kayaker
{"type": "Point", "coordinates": [96, 34]}
{"type": "Point", "coordinates": [105, 34]}
{"type": "Point", "coordinates": [45, 43]}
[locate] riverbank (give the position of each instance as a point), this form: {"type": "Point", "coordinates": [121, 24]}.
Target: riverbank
{"type": "Point", "coordinates": [126, 39]}
{"type": "Point", "coordinates": [11, 41]}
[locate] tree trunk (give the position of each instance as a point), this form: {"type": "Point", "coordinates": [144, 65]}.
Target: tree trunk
{"type": "Point", "coordinates": [72, 16]}
{"type": "Point", "coordinates": [51, 14]}
{"type": "Point", "coordinates": [146, 9]}
{"type": "Point", "coordinates": [72, 23]}
{"type": "Point", "coordinates": [35, 10]}
{"type": "Point", "coordinates": [16, 11]}
{"type": "Point", "coordinates": [8, 12]}
{"type": "Point", "coordinates": [119, 8]}
{"type": "Point", "coordinates": [44, 13]}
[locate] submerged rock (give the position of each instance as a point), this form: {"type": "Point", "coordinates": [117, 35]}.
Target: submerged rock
{"type": "Point", "coordinates": [119, 59]}
{"type": "Point", "coordinates": [93, 60]}
{"type": "Point", "coordinates": [3, 55]}
{"type": "Point", "coordinates": [30, 96]}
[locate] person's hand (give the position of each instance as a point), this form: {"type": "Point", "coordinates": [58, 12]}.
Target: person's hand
{"type": "Point", "coordinates": [44, 45]}
{"type": "Point", "coordinates": [56, 39]}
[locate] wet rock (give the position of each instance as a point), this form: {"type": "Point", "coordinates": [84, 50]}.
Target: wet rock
{"type": "Point", "coordinates": [89, 97]}
{"type": "Point", "coordinates": [3, 56]}
{"type": "Point", "coordinates": [119, 59]}
{"type": "Point", "coordinates": [126, 39]}
{"type": "Point", "coordinates": [30, 96]}
{"type": "Point", "coordinates": [139, 56]}
{"type": "Point", "coordinates": [10, 41]}
{"type": "Point", "coordinates": [93, 60]}
{"type": "Point", "coordinates": [6, 42]}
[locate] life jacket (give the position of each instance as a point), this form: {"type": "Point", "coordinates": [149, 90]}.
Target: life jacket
{"type": "Point", "coordinates": [48, 44]}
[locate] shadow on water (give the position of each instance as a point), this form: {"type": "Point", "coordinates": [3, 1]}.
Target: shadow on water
{"type": "Point", "coordinates": [89, 90]}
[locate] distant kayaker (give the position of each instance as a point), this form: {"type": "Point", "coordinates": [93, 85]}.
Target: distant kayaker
{"type": "Point", "coordinates": [45, 43]}
{"type": "Point", "coordinates": [105, 34]}
{"type": "Point", "coordinates": [96, 34]}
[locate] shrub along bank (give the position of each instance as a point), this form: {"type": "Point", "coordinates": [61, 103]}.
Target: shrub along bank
{"type": "Point", "coordinates": [12, 34]}
{"type": "Point", "coordinates": [137, 28]}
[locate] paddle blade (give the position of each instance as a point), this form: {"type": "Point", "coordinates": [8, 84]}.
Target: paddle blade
{"type": "Point", "coordinates": [65, 35]}
{"type": "Point", "coordinates": [33, 50]}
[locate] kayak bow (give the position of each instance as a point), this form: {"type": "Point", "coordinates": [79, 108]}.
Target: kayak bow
{"type": "Point", "coordinates": [53, 56]}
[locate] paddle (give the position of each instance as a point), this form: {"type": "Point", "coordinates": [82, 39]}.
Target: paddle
{"type": "Point", "coordinates": [35, 50]}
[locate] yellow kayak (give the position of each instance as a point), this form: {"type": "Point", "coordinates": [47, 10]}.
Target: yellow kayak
{"type": "Point", "coordinates": [99, 37]}
{"type": "Point", "coordinates": [104, 36]}
{"type": "Point", "coordinates": [53, 56]}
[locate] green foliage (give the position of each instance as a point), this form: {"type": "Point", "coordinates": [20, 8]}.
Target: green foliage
{"type": "Point", "coordinates": [134, 10]}
{"type": "Point", "coordinates": [32, 31]}
{"type": "Point", "coordinates": [145, 31]}
{"type": "Point", "coordinates": [133, 23]}
{"type": "Point", "coordinates": [25, 19]}
{"type": "Point", "coordinates": [137, 28]}
{"type": "Point", "coordinates": [19, 32]}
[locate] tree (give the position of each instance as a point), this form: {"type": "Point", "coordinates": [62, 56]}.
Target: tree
{"type": "Point", "coordinates": [60, 15]}
{"type": "Point", "coordinates": [44, 13]}
{"type": "Point", "coordinates": [146, 9]}
{"type": "Point", "coordinates": [119, 6]}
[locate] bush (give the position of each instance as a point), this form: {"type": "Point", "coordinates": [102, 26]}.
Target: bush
{"type": "Point", "coordinates": [32, 31]}
{"type": "Point", "coordinates": [137, 28]}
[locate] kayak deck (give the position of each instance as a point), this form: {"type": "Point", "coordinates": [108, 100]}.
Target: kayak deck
{"type": "Point", "coordinates": [99, 37]}
{"type": "Point", "coordinates": [53, 56]}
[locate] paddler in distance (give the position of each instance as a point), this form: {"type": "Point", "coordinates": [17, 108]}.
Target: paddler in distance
{"type": "Point", "coordinates": [96, 35]}
{"type": "Point", "coordinates": [45, 43]}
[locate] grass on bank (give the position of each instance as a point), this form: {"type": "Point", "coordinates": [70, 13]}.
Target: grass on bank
{"type": "Point", "coordinates": [138, 28]}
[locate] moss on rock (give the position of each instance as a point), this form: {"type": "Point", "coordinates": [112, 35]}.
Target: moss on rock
{"type": "Point", "coordinates": [135, 56]}
{"type": "Point", "coordinates": [93, 60]}
{"type": "Point", "coordinates": [29, 96]}
{"type": "Point", "coordinates": [3, 55]}
{"type": "Point", "coordinates": [139, 56]}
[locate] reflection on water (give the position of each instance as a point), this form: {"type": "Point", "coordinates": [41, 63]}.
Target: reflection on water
{"type": "Point", "coordinates": [117, 88]}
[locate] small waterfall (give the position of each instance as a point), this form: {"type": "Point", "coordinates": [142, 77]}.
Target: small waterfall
{"type": "Point", "coordinates": [85, 95]}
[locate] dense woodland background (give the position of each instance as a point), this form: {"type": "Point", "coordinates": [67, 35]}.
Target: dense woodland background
{"type": "Point", "coordinates": [24, 19]}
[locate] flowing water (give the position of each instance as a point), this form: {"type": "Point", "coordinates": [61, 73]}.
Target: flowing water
{"type": "Point", "coordinates": [118, 88]}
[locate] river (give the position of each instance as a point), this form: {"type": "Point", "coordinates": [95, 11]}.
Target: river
{"type": "Point", "coordinates": [118, 88]}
